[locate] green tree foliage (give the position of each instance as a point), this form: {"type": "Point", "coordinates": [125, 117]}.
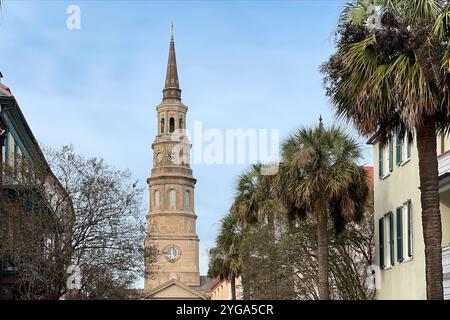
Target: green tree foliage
{"type": "Point", "coordinates": [225, 259]}
{"type": "Point", "coordinates": [319, 176]}
{"type": "Point", "coordinates": [279, 229]}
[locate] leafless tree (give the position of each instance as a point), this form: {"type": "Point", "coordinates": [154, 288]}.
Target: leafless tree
{"type": "Point", "coordinates": [92, 219]}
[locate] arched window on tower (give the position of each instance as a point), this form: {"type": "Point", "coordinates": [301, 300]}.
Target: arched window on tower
{"type": "Point", "coordinates": [172, 125]}
{"type": "Point", "coordinates": [186, 200]}
{"type": "Point", "coordinates": [180, 122]}
{"type": "Point", "coordinates": [162, 125]}
{"type": "Point", "coordinates": [172, 195]}
{"type": "Point", "coordinates": [156, 199]}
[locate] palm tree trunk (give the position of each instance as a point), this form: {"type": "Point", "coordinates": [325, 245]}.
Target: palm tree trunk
{"type": "Point", "coordinates": [233, 288]}
{"type": "Point", "coordinates": [322, 239]}
{"type": "Point", "coordinates": [431, 216]}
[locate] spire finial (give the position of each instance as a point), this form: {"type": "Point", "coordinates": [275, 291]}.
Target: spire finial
{"type": "Point", "coordinates": [171, 87]}
{"type": "Point", "coordinates": [320, 122]}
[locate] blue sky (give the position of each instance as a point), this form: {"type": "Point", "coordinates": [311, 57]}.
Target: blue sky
{"type": "Point", "coordinates": [249, 64]}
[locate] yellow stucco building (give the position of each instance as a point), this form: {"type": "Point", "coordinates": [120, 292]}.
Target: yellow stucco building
{"type": "Point", "coordinates": [221, 289]}
{"type": "Point", "coordinates": [400, 252]}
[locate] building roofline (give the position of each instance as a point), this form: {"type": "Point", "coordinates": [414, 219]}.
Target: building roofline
{"type": "Point", "coordinates": [167, 284]}
{"type": "Point", "coordinates": [27, 127]}
{"type": "Point", "coordinates": [12, 100]}
{"type": "Point", "coordinates": [215, 283]}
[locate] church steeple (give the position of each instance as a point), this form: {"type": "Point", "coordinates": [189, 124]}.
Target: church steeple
{"type": "Point", "coordinates": [171, 216]}
{"type": "Point", "coordinates": [171, 87]}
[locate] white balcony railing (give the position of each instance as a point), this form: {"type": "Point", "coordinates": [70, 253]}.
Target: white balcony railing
{"type": "Point", "coordinates": [446, 261]}
{"type": "Point", "coordinates": [444, 163]}
{"type": "Point", "coordinates": [444, 171]}
{"type": "Point", "coordinates": [446, 270]}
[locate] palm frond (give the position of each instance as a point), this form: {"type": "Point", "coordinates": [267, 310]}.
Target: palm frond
{"type": "Point", "coordinates": [418, 10]}
{"type": "Point", "coordinates": [321, 164]}
{"type": "Point", "coordinates": [393, 77]}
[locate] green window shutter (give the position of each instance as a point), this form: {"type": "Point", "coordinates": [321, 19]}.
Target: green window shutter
{"type": "Point", "coordinates": [400, 234]}
{"type": "Point", "coordinates": [380, 161]}
{"type": "Point", "coordinates": [391, 232]}
{"type": "Point", "coordinates": [408, 148]}
{"type": "Point", "coordinates": [398, 148]}
{"type": "Point", "coordinates": [391, 156]}
{"type": "Point", "coordinates": [381, 241]}
{"type": "Point", "coordinates": [408, 221]}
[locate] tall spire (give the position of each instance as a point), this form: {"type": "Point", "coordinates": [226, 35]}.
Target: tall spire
{"type": "Point", "coordinates": [171, 88]}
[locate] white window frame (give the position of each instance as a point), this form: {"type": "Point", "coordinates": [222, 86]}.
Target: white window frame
{"type": "Point", "coordinates": [388, 263]}
{"type": "Point", "coordinates": [406, 159]}
{"type": "Point", "coordinates": [407, 258]}
{"type": "Point", "coordinates": [386, 171]}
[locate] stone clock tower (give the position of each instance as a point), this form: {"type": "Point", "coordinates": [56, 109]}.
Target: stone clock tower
{"type": "Point", "coordinates": [171, 217]}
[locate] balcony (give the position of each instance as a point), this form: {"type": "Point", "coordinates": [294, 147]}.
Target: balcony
{"type": "Point", "coordinates": [446, 261]}
{"type": "Point", "coordinates": [444, 171]}
{"type": "Point", "coordinates": [444, 163]}
{"type": "Point", "coordinates": [446, 271]}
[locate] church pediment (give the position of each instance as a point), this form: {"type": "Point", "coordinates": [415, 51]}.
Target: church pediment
{"type": "Point", "coordinates": [174, 290]}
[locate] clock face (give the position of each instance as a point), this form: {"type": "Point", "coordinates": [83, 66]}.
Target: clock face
{"type": "Point", "coordinates": [172, 253]}
{"type": "Point", "coordinates": [171, 156]}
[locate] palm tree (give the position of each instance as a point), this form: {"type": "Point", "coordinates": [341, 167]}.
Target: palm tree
{"type": "Point", "coordinates": [319, 175]}
{"type": "Point", "coordinates": [394, 75]}
{"type": "Point", "coordinates": [253, 202]}
{"type": "Point", "coordinates": [225, 261]}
